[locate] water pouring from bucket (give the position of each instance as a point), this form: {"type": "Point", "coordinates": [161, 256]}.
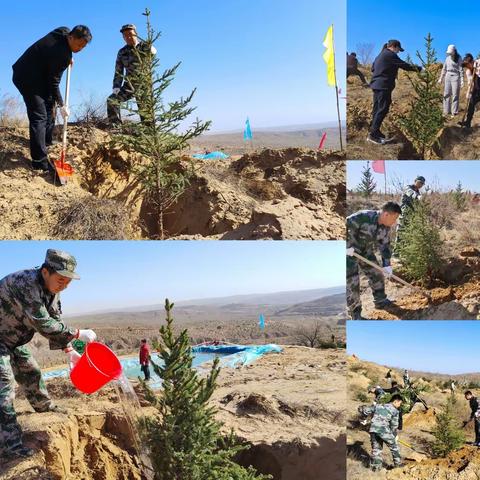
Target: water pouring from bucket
{"type": "Point", "coordinates": [97, 366]}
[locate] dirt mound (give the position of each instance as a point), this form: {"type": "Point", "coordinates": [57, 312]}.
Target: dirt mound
{"type": "Point", "coordinates": [274, 194]}
{"type": "Point", "coordinates": [452, 142]}
{"type": "Point", "coordinates": [420, 418]}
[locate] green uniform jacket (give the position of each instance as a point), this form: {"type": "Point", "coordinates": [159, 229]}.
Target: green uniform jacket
{"type": "Point", "coordinates": [27, 307]}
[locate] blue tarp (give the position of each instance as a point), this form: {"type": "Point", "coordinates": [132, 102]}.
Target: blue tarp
{"type": "Point", "coordinates": [230, 356]}
{"type": "Point", "coordinates": [211, 156]}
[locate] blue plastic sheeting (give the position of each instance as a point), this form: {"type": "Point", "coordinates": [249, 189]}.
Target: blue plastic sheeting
{"type": "Point", "coordinates": [211, 156]}
{"type": "Point", "coordinates": [230, 356]}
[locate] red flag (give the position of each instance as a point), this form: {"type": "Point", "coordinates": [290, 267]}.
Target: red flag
{"type": "Point", "coordinates": [322, 141]}
{"type": "Point", "coordinates": [378, 166]}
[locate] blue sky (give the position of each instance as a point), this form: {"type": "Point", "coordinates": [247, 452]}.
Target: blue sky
{"type": "Point", "coordinates": [410, 21]}
{"type": "Point", "coordinates": [262, 59]}
{"type": "Point", "coordinates": [441, 174]}
{"type": "Point", "coordinates": [121, 274]}
{"type": "Point", "coordinates": [433, 346]}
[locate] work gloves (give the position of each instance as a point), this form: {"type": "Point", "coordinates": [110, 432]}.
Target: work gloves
{"type": "Point", "coordinates": [86, 336]}
{"type": "Point", "coordinates": [116, 91]}
{"type": "Point", "coordinates": [72, 355]}
{"type": "Point", "coordinates": [65, 112]}
{"type": "Point", "coordinates": [388, 271]}
{"type": "Point", "coordinates": [350, 251]}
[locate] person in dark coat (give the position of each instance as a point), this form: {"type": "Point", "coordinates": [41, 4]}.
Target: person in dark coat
{"type": "Point", "coordinates": [352, 68]}
{"type": "Point", "coordinates": [37, 75]}
{"type": "Point", "coordinates": [384, 73]}
{"type": "Point", "coordinates": [475, 415]}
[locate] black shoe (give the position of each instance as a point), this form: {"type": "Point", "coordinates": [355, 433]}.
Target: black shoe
{"type": "Point", "coordinates": [21, 452]}
{"type": "Point", "coordinates": [43, 165]}
{"type": "Point", "coordinates": [384, 304]}
{"type": "Point", "coordinates": [377, 140]}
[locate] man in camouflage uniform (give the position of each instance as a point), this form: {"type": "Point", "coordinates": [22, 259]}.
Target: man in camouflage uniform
{"type": "Point", "coordinates": [383, 429]}
{"type": "Point", "coordinates": [368, 230]}
{"type": "Point", "coordinates": [29, 303]}
{"type": "Point", "coordinates": [124, 81]}
{"type": "Point", "coordinates": [411, 195]}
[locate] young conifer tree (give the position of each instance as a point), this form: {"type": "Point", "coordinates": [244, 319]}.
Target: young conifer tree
{"type": "Point", "coordinates": [367, 185]}
{"type": "Point", "coordinates": [184, 438]}
{"type": "Point", "coordinates": [160, 136]}
{"type": "Point", "coordinates": [448, 436]}
{"type": "Point", "coordinates": [459, 197]}
{"type": "Point", "coordinates": [419, 247]}
{"type": "Point", "coordinates": [424, 119]}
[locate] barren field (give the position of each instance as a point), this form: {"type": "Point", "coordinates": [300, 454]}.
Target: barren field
{"type": "Point", "coordinates": [462, 464]}
{"type": "Point", "coordinates": [290, 193]}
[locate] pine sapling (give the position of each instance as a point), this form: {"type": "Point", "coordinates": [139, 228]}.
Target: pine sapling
{"type": "Point", "coordinates": [367, 184]}
{"type": "Point", "coordinates": [183, 437]}
{"type": "Point", "coordinates": [424, 119]}
{"type": "Point", "coordinates": [157, 136]}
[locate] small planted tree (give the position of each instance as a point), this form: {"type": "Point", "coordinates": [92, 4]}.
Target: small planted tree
{"type": "Point", "coordinates": [459, 197]}
{"type": "Point", "coordinates": [184, 438]}
{"type": "Point", "coordinates": [424, 119]}
{"type": "Point", "coordinates": [367, 184]}
{"type": "Point", "coordinates": [419, 247]}
{"type": "Point", "coordinates": [157, 136]}
{"type": "Point", "coordinates": [448, 436]}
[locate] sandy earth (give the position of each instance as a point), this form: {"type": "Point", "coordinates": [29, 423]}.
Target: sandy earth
{"type": "Point", "coordinates": [290, 407]}
{"type": "Point", "coordinates": [291, 193]}
{"type": "Point", "coordinates": [463, 464]}
{"type": "Point", "coordinates": [453, 143]}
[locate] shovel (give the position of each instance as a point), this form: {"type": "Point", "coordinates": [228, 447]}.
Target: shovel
{"type": "Point", "coordinates": [394, 277]}
{"type": "Point", "coordinates": [63, 169]}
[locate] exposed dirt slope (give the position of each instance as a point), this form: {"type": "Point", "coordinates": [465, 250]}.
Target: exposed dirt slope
{"type": "Point", "coordinates": [463, 464]}
{"type": "Point", "coordinates": [453, 142]}
{"type": "Point", "coordinates": [289, 407]}
{"type": "Point", "coordinates": [274, 194]}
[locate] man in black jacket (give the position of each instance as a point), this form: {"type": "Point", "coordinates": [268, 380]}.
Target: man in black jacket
{"type": "Point", "coordinates": [352, 68]}
{"type": "Point", "coordinates": [37, 75]}
{"type": "Point", "coordinates": [475, 415]}
{"type": "Point", "coordinates": [384, 73]}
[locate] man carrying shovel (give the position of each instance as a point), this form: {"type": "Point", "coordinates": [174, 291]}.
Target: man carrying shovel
{"type": "Point", "coordinates": [367, 231]}
{"type": "Point", "coordinates": [37, 75]}
{"type": "Point", "coordinates": [29, 303]}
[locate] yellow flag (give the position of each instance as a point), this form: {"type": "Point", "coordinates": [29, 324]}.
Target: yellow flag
{"type": "Point", "coordinates": [329, 57]}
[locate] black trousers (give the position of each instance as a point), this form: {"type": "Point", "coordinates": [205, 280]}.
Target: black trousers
{"type": "Point", "coordinates": [382, 99]}
{"type": "Point", "coordinates": [471, 107]}
{"type": "Point", "coordinates": [357, 72]}
{"type": "Point", "coordinates": [146, 371]}
{"type": "Point", "coordinates": [477, 430]}
{"type": "Point", "coordinates": [114, 102]}
{"type": "Point", "coordinates": [41, 117]}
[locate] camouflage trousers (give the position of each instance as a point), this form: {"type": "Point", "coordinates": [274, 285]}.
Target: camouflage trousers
{"type": "Point", "coordinates": [376, 281]}
{"type": "Point", "coordinates": [377, 440]}
{"type": "Point", "coordinates": [18, 364]}
{"type": "Point", "coordinates": [114, 103]}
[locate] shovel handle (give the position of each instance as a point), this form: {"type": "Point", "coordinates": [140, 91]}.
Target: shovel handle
{"type": "Point", "coordinates": [67, 103]}
{"type": "Point", "coordinates": [393, 276]}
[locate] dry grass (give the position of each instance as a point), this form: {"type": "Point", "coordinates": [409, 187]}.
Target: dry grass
{"type": "Point", "coordinates": [11, 112]}
{"type": "Point", "coordinates": [92, 218]}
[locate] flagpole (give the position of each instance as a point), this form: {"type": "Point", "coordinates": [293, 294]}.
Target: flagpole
{"type": "Point", "coordinates": [336, 91]}
{"type": "Point", "coordinates": [385, 174]}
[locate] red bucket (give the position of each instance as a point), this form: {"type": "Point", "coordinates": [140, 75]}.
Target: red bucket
{"type": "Point", "coordinates": [97, 367]}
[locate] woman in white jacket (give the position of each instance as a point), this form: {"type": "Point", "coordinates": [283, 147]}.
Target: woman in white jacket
{"type": "Point", "coordinates": [452, 74]}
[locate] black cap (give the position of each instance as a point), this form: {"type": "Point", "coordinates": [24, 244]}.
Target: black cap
{"type": "Point", "coordinates": [422, 179]}
{"type": "Point", "coordinates": [395, 43]}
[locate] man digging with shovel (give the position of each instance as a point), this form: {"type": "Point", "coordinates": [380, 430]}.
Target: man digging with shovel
{"type": "Point", "coordinates": [29, 303]}
{"type": "Point", "coordinates": [475, 416]}
{"type": "Point", "coordinates": [367, 231]}
{"type": "Point", "coordinates": [37, 75]}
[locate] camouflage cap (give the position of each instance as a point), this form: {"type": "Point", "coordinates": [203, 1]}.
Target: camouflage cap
{"type": "Point", "coordinates": [128, 26]}
{"type": "Point", "coordinates": [62, 262]}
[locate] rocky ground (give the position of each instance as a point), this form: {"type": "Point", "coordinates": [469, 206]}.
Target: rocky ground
{"type": "Point", "coordinates": [462, 464]}
{"type": "Point", "coordinates": [453, 143]}
{"type": "Point", "coordinates": [289, 407]}
{"type": "Point", "coordinates": [290, 193]}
